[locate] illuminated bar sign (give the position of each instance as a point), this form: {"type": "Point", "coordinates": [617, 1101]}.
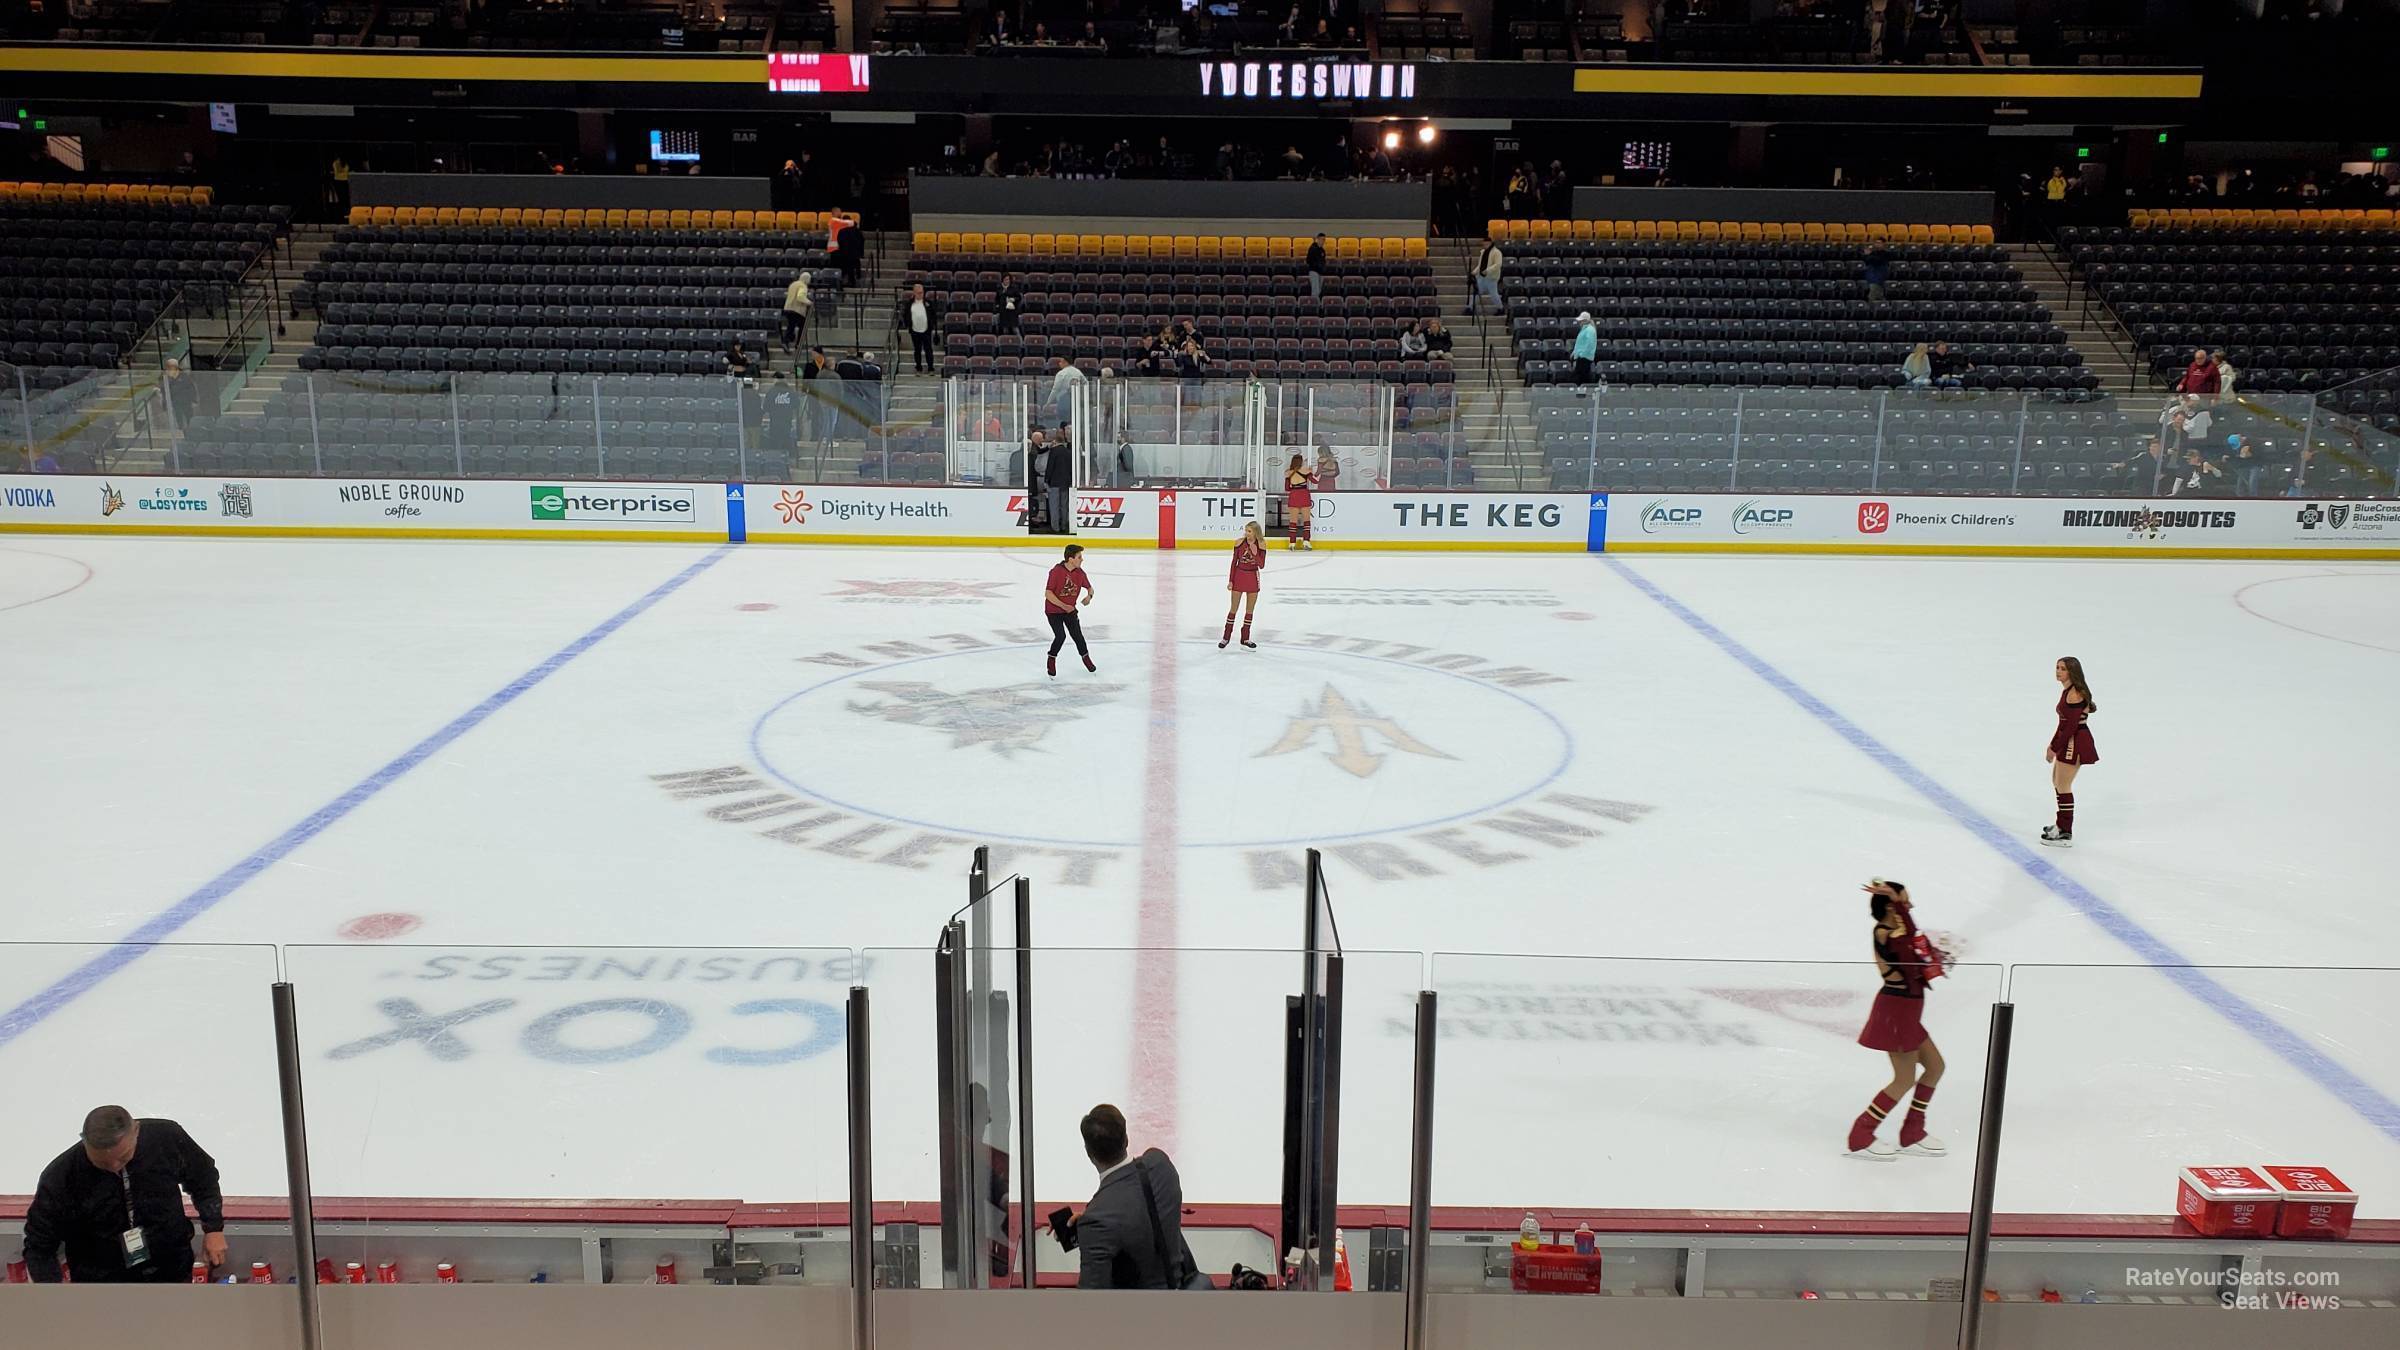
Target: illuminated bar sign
{"type": "Point", "coordinates": [1306, 79]}
{"type": "Point", "coordinates": [816, 73]}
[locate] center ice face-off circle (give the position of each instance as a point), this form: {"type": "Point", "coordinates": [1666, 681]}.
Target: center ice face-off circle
{"type": "Point", "coordinates": [982, 745]}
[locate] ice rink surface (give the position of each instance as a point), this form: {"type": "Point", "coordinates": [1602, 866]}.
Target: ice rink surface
{"type": "Point", "coordinates": [572, 850]}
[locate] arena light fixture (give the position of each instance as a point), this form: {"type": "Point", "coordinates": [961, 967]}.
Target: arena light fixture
{"type": "Point", "coordinates": [1391, 140]}
{"type": "Point", "coordinates": [1425, 133]}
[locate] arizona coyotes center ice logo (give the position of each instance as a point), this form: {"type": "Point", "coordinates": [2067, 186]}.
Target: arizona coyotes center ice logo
{"type": "Point", "coordinates": [1005, 719]}
{"type": "Point", "coordinates": [1348, 728]}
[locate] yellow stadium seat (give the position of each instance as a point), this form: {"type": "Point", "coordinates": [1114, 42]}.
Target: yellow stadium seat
{"type": "Point", "coordinates": [1540, 229]}
{"type": "Point", "coordinates": [721, 220]}
{"type": "Point", "coordinates": [1019, 244]}
{"type": "Point", "coordinates": [1645, 229]}
{"type": "Point", "coordinates": [484, 215]}
{"type": "Point", "coordinates": [2379, 220]}
{"type": "Point", "coordinates": [947, 242]}
{"type": "Point", "coordinates": [204, 196]}
{"type": "Point", "coordinates": [1279, 247]}
{"type": "Point", "coordinates": [1111, 245]}
{"type": "Point", "coordinates": [1687, 230]}
{"type": "Point", "coordinates": [362, 215]}
{"type": "Point", "coordinates": [1162, 245]}
{"type": "Point", "coordinates": [615, 218]}
{"type": "Point", "coordinates": [1495, 228]}
{"type": "Point", "coordinates": [1185, 246]}
{"type": "Point", "coordinates": [1520, 231]}
{"type": "Point", "coordinates": [1210, 247]}
{"type": "Point", "coordinates": [445, 215]}
{"type": "Point", "coordinates": [1135, 246]}
{"type": "Point", "coordinates": [1090, 245]}
{"type": "Point", "coordinates": [1370, 250]}
{"type": "Point", "coordinates": [1813, 230]}
{"type": "Point", "coordinates": [1042, 245]}
{"type": "Point", "coordinates": [407, 215]}
{"type": "Point", "coordinates": [512, 215]}
{"type": "Point", "coordinates": [751, 220]}
{"type": "Point", "coordinates": [1254, 247]}
{"type": "Point", "coordinates": [924, 241]}
{"type": "Point", "coordinates": [1415, 249]}
{"type": "Point", "coordinates": [1981, 234]}
{"type": "Point", "coordinates": [970, 241]}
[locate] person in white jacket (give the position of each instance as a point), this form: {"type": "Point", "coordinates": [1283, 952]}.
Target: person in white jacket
{"type": "Point", "coordinates": [796, 307]}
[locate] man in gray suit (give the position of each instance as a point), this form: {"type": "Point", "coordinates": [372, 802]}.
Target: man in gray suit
{"type": "Point", "coordinates": [1124, 1235]}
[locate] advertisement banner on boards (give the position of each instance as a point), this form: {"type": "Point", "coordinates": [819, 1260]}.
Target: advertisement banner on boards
{"type": "Point", "coordinates": [1670, 522]}
{"type": "Point", "coordinates": [800, 513]}
{"type": "Point", "coordinates": [1499, 521]}
{"type": "Point", "coordinates": [481, 508]}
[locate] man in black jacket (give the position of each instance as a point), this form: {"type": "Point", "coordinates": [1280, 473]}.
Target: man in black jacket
{"type": "Point", "coordinates": [1056, 484]}
{"type": "Point", "coordinates": [1006, 305]}
{"type": "Point", "coordinates": [1316, 268]}
{"type": "Point", "coordinates": [1135, 1217]}
{"type": "Point", "coordinates": [114, 1202]}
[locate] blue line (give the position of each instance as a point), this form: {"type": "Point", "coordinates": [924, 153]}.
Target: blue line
{"type": "Point", "coordinates": [83, 979]}
{"type": "Point", "coordinates": [2355, 1092]}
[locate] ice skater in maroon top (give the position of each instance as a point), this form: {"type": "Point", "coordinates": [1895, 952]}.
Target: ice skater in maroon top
{"type": "Point", "coordinates": [1059, 600]}
{"type": "Point", "coordinates": [1241, 589]}
{"type": "Point", "coordinates": [2070, 748]}
{"type": "Point", "coordinates": [1896, 1026]}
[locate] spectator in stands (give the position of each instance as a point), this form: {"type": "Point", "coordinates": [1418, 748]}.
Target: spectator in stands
{"type": "Point", "coordinates": [2200, 377]}
{"type": "Point", "coordinates": [2198, 477]}
{"type": "Point", "coordinates": [178, 386]}
{"type": "Point", "coordinates": [1288, 32]}
{"type": "Point", "coordinates": [2150, 470]}
{"type": "Point", "coordinates": [1323, 37]}
{"type": "Point", "coordinates": [1587, 349]}
{"type": "Point", "coordinates": [340, 174]}
{"type": "Point", "coordinates": [1949, 368]}
{"type": "Point", "coordinates": [1158, 352]}
{"type": "Point", "coordinates": [2196, 419]}
{"type": "Point", "coordinates": [113, 1202]}
{"type": "Point", "coordinates": [1057, 480]}
{"type": "Point", "coordinates": [2225, 373]}
{"type": "Point", "coordinates": [2171, 426]}
{"type": "Point", "coordinates": [1486, 274]}
{"type": "Point", "coordinates": [1316, 268]}
{"type": "Point", "coordinates": [796, 306]}
{"type": "Point", "coordinates": [1437, 340]}
{"type": "Point", "coordinates": [2054, 196]}
{"type": "Point", "coordinates": [739, 363]}
{"type": "Point", "coordinates": [853, 254]}
{"type": "Point", "coordinates": [2247, 467]}
{"type": "Point", "coordinates": [1329, 469]}
{"type": "Point", "coordinates": [1064, 376]}
{"type": "Point", "coordinates": [920, 329]}
{"type": "Point", "coordinates": [1917, 369]}
{"type": "Point", "coordinates": [1003, 33]}
{"type": "Point", "coordinates": [1878, 271]}
{"type": "Point", "coordinates": [1091, 37]}
{"type": "Point", "coordinates": [1191, 360]}
{"type": "Point", "coordinates": [1026, 467]}
{"type": "Point", "coordinates": [1516, 199]}
{"type": "Point", "coordinates": [788, 187]}
{"type": "Point", "coordinates": [1135, 1218]}
{"type": "Point", "coordinates": [1007, 303]}
{"type": "Point", "coordinates": [1412, 342]}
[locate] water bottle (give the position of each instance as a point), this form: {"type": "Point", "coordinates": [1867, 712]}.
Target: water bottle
{"type": "Point", "coordinates": [1529, 1233]}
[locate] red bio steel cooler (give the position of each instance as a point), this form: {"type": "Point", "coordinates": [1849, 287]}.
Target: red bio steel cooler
{"type": "Point", "coordinates": [1553, 1269]}
{"type": "Point", "coordinates": [2315, 1202]}
{"type": "Point", "coordinates": [2226, 1201]}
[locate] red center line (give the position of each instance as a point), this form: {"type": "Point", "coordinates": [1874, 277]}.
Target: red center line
{"type": "Point", "coordinates": [1155, 1082]}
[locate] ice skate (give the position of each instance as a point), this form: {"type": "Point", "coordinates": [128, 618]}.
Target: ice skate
{"type": "Point", "coordinates": [1053, 663]}
{"type": "Point", "coordinates": [2052, 836]}
{"type": "Point", "coordinates": [1875, 1151]}
{"type": "Point", "coordinates": [1927, 1147]}
{"type": "Point", "coordinates": [1248, 643]}
{"type": "Point", "coordinates": [1087, 663]}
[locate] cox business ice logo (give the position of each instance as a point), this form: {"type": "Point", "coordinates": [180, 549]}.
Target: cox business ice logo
{"type": "Point", "coordinates": [672, 505]}
{"type": "Point", "coordinates": [1754, 517]}
{"type": "Point", "coordinates": [1663, 515]}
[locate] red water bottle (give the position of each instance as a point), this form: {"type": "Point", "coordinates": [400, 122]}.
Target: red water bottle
{"type": "Point", "coordinates": [199, 1272]}
{"type": "Point", "coordinates": [387, 1272]}
{"type": "Point", "coordinates": [666, 1270]}
{"type": "Point", "coordinates": [445, 1273]}
{"type": "Point", "coordinates": [262, 1273]}
{"type": "Point", "coordinates": [325, 1273]}
{"type": "Point", "coordinates": [355, 1273]}
{"type": "Point", "coordinates": [19, 1272]}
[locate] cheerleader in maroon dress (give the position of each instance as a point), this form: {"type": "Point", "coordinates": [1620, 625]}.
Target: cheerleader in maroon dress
{"type": "Point", "coordinates": [1896, 1026]}
{"type": "Point", "coordinates": [1297, 503]}
{"type": "Point", "coordinates": [1241, 589]}
{"type": "Point", "coordinates": [2070, 748]}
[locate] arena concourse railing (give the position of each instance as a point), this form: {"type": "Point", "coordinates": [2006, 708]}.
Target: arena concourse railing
{"type": "Point", "coordinates": [572, 1115]}
{"type": "Point", "coordinates": [1142, 431]}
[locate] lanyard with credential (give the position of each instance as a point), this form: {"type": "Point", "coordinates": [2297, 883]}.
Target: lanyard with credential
{"type": "Point", "coordinates": [125, 1180]}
